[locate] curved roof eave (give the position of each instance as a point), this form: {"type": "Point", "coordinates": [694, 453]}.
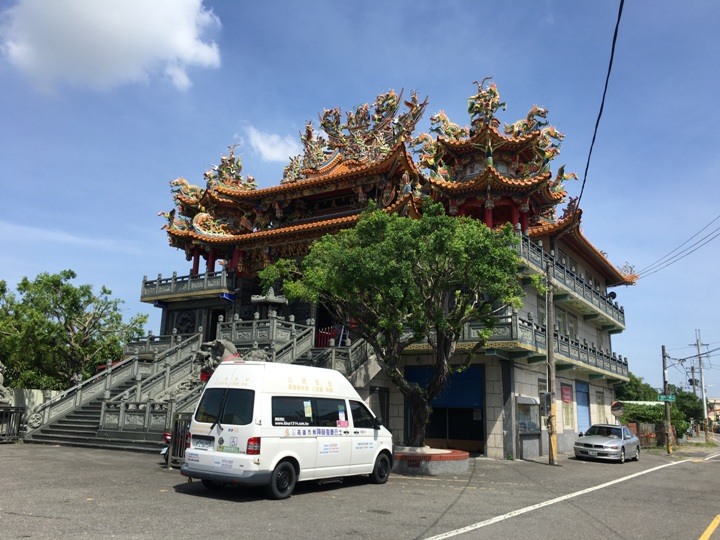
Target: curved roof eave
{"type": "Point", "coordinates": [568, 228]}
{"type": "Point", "coordinates": [273, 236]}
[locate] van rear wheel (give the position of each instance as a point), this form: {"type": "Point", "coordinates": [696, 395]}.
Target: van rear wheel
{"type": "Point", "coordinates": [282, 481]}
{"type": "Point", "coordinates": [381, 471]}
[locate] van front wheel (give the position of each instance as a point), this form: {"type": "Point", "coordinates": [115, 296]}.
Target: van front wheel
{"type": "Point", "coordinates": [381, 471]}
{"type": "Point", "coordinates": [282, 481]}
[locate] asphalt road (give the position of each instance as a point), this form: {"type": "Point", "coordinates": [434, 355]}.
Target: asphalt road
{"type": "Point", "coordinates": [63, 492]}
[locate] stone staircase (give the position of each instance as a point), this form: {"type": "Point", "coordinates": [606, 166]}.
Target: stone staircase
{"type": "Point", "coordinates": [75, 417]}
{"type": "Point", "coordinates": [81, 427]}
{"type": "Point", "coordinates": [130, 405]}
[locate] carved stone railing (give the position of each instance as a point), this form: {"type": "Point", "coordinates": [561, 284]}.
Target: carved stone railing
{"type": "Point", "coordinates": [284, 340]}
{"type": "Point", "coordinates": [151, 345]}
{"type": "Point", "coordinates": [508, 329]}
{"type": "Point", "coordinates": [511, 328]}
{"type": "Point", "coordinates": [102, 384]}
{"type": "Point", "coordinates": [146, 416]}
{"type": "Point", "coordinates": [179, 286]}
{"type": "Point", "coordinates": [567, 280]}
{"type": "Point", "coordinates": [346, 358]}
{"type": "Point", "coordinates": [122, 411]}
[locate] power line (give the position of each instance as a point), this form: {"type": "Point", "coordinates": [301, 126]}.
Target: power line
{"type": "Point", "coordinates": [695, 355]}
{"type": "Point", "coordinates": [667, 259]}
{"type": "Point", "coordinates": [602, 102]}
{"type": "Point", "coordinates": [684, 253]}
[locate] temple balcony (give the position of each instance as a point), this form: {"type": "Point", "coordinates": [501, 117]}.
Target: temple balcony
{"type": "Point", "coordinates": [180, 288]}
{"type": "Point", "coordinates": [522, 340]}
{"type": "Point", "coordinates": [572, 290]}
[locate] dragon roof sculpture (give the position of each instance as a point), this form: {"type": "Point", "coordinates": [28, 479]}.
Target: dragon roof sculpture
{"type": "Point", "coordinates": [367, 154]}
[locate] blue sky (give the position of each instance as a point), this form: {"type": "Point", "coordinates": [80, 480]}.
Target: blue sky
{"type": "Point", "coordinates": [102, 104]}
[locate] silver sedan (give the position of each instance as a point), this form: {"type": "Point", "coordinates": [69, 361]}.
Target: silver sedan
{"type": "Point", "coordinates": [607, 441]}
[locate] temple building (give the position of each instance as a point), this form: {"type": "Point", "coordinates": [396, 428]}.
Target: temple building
{"type": "Point", "coordinates": [229, 230]}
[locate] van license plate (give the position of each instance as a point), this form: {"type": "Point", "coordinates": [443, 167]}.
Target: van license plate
{"type": "Point", "coordinates": [202, 444]}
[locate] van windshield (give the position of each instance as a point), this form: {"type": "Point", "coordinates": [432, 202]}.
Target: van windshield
{"type": "Point", "coordinates": [235, 405]}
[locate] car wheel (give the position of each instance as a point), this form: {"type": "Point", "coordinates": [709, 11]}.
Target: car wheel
{"type": "Point", "coordinates": [637, 454]}
{"type": "Point", "coordinates": [622, 455]}
{"type": "Point", "coordinates": [381, 471]}
{"type": "Point", "coordinates": [282, 481]}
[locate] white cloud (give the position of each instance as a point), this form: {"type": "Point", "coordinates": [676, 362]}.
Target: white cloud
{"type": "Point", "coordinates": [109, 43]}
{"type": "Point", "coordinates": [24, 235]}
{"type": "Point", "coordinates": [272, 147]}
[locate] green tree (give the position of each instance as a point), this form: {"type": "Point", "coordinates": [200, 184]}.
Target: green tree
{"type": "Point", "coordinates": [636, 390]}
{"type": "Point", "coordinates": [52, 331]}
{"type": "Point", "coordinates": [689, 404]}
{"type": "Point", "coordinates": [402, 281]}
{"type": "Point", "coordinates": [654, 414]}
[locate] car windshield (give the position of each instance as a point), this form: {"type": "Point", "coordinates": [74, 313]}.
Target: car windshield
{"type": "Point", "coordinates": [605, 431]}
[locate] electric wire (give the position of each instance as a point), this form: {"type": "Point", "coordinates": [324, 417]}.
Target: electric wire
{"type": "Point", "coordinates": [672, 256]}
{"type": "Point", "coordinates": [684, 253]}
{"type": "Point", "coordinates": [663, 258]}
{"type": "Point", "coordinates": [602, 102]}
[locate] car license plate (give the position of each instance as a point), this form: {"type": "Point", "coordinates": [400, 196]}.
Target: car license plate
{"type": "Point", "coordinates": [202, 444]}
{"type": "Point", "coordinates": [592, 452]}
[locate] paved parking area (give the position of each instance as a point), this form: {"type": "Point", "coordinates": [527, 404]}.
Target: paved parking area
{"type": "Point", "coordinates": [61, 492]}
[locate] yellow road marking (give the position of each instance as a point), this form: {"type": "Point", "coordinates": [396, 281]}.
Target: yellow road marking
{"type": "Point", "coordinates": [711, 528]}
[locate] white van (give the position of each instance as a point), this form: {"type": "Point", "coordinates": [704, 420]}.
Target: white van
{"type": "Point", "coordinates": [260, 423]}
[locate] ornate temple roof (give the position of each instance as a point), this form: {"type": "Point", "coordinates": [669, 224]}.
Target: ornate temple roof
{"type": "Point", "coordinates": [373, 155]}
{"type": "Point", "coordinates": [409, 204]}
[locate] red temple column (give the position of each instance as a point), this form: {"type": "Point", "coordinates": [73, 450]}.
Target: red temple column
{"type": "Point", "coordinates": [196, 262]}
{"type": "Point", "coordinates": [489, 205]}
{"type": "Point", "coordinates": [514, 215]}
{"type": "Point", "coordinates": [211, 261]}
{"type": "Point", "coordinates": [237, 254]}
{"type": "Point", "coordinates": [524, 212]}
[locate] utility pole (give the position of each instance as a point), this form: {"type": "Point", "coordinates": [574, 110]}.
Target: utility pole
{"type": "Point", "coordinates": [692, 380]}
{"type": "Point", "coordinates": [668, 431]}
{"type": "Point", "coordinates": [698, 344]}
{"type": "Point", "coordinates": [550, 345]}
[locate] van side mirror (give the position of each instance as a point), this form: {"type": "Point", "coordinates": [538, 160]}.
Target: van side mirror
{"type": "Point", "coordinates": [377, 423]}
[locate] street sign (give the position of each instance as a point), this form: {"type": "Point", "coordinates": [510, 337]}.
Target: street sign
{"type": "Point", "coordinates": [666, 397]}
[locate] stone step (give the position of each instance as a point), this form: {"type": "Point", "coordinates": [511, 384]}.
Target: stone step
{"type": "Point", "coordinates": [78, 421]}
{"type": "Point", "coordinates": [109, 444]}
{"type": "Point", "coordinates": [75, 431]}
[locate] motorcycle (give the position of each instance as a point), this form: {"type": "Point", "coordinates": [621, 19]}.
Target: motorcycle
{"type": "Point", "coordinates": [165, 451]}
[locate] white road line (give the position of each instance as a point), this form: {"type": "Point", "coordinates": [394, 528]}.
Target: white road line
{"type": "Point", "coordinates": [712, 457]}
{"type": "Point", "coordinates": [527, 509]}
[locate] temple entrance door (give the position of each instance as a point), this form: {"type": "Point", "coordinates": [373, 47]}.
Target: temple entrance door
{"type": "Point", "coordinates": [458, 412]}
{"type": "Point", "coordinates": [213, 316]}
{"type": "Point", "coordinates": [326, 328]}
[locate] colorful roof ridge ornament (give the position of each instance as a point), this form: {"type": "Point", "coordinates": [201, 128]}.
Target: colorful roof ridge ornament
{"type": "Point", "coordinates": [369, 134]}
{"type": "Point", "coordinates": [483, 105]}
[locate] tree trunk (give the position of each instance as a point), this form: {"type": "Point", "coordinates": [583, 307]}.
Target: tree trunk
{"type": "Point", "coordinates": [418, 417]}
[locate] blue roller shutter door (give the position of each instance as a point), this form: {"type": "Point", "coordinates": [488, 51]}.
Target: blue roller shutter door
{"type": "Point", "coordinates": [582, 394]}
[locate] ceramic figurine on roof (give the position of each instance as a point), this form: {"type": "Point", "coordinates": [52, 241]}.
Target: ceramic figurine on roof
{"type": "Point", "coordinates": [228, 173]}
{"type": "Point", "coordinates": [181, 188]}
{"type": "Point", "coordinates": [366, 155]}
{"type": "Point", "coordinates": [440, 124]}
{"type": "Point", "coordinates": [557, 183]}
{"type": "Point", "coordinates": [483, 105]}
{"type": "Point", "coordinates": [528, 124]}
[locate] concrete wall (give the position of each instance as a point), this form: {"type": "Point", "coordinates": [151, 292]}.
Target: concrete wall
{"type": "Point", "coordinates": [31, 398]}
